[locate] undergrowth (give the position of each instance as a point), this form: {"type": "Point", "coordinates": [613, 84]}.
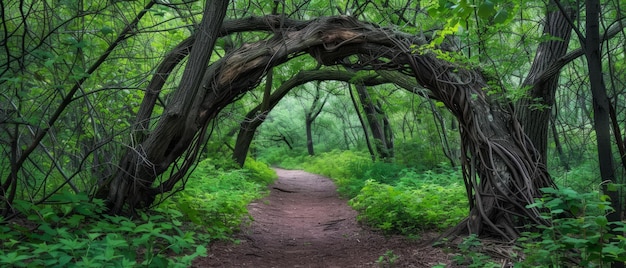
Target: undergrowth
{"type": "Point", "coordinates": [580, 235]}
{"type": "Point", "coordinates": [74, 231]}
{"type": "Point", "coordinates": [394, 198]}
{"type": "Point", "coordinates": [80, 235]}
{"type": "Point", "coordinates": [409, 210]}
{"type": "Point", "coordinates": [216, 199]}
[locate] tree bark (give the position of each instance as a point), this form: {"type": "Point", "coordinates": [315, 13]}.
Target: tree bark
{"type": "Point", "coordinates": [534, 111]}
{"type": "Point", "coordinates": [378, 123]}
{"type": "Point", "coordinates": [175, 130]}
{"type": "Point", "coordinates": [601, 111]}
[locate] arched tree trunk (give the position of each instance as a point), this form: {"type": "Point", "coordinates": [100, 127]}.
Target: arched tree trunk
{"type": "Point", "coordinates": [494, 146]}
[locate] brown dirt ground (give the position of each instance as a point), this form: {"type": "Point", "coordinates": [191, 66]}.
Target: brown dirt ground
{"type": "Point", "coordinates": [304, 223]}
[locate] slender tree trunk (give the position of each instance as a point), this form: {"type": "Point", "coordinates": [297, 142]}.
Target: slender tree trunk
{"type": "Point", "coordinates": [308, 121]}
{"type": "Point", "coordinates": [601, 111]}
{"type": "Point", "coordinates": [379, 124]}
{"type": "Point", "coordinates": [559, 148]}
{"type": "Point", "coordinates": [365, 132]}
{"type": "Point", "coordinates": [534, 111]}
{"type": "Point", "coordinates": [311, 114]}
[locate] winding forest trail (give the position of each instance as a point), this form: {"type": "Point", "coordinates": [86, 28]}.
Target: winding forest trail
{"type": "Point", "coordinates": [304, 223]}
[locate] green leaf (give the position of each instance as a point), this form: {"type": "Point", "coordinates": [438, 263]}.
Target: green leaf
{"type": "Point", "coordinates": [602, 221]}
{"type": "Point", "coordinates": [612, 187]}
{"type": "Point", "coordinates": [106, 30]}
{"type": "Point", "coordinates": [13, 258]}
{"type": "Point", "coordinates": [486, 9]}
{"type": "Point", "coordinates": [501, 16]}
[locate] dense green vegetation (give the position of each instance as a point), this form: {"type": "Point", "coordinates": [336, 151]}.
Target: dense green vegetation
{"type": "Point", "coordinates": [119, 121]}
{"type": "Point", "coordinates": [71, 231]}
{"type": "Point", "coordinates": [402, 200]}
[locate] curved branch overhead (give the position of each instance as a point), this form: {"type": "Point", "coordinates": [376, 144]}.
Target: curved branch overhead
{"type": "Point", "coordinates": [494, 146]}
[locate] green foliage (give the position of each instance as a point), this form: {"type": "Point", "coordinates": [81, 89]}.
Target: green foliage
{"type": "Point", "coordinates": [388, 259]}
{"type": "Point", "coordinates": [419, 152]}
{"type": "Point", "coordinates": [283, 157]}
{"type": "Point", "coordinates": [409, 211]}
{"type": "Point", "coordinates": [382, 172]}
{"type": "Point", "coordinates": [393, 198]}
{"type": "Point", "coordinates": [77, 235]}
{"type": "Point", "coordinates": [580, 232]}
{"type": "Point", "coordinates": [581, 178]}
{"type": "Point", "coordinates": [335, 164]}
{"type": "Point", "coordinates": [259, 171]}
{"type": "Point", "coordinates": [470, 256]}
{"type": "Point", "coordinates": [217, 198]}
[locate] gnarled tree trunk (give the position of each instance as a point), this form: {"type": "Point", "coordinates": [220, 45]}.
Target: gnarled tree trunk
{"type": "Point", "coordinates": [176, 130]}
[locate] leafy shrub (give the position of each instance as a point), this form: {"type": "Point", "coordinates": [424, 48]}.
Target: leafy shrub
{"type": "Point", "coordinates": [350, 170]}
{"type": "Point", "coordinates": [409, 211]}
{"type": "Point", "coordinates": [470, 256]}
{"type": "Point", "coordinates": [76, 235]}
{"type": "Point", "coordinates": [419, 153]}
{"type": "Point", "coordinates": [586, 236]}
{"type": "Point", "coordinates": [259, 171]}
{"type": "Point", "coordinates": [217, 199]}
{"type": "Point", "coordinates": [442, 175]}
{"type": "Point", "coordinates": [382, 172]}
{"type": "Point", "coordinates": [283, 157]}
{"type": "Point", "coordinates": [335, 164]}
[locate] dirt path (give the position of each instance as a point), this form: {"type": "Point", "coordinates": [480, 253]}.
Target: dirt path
{"type": "Point", "coordinates": [304, 223]}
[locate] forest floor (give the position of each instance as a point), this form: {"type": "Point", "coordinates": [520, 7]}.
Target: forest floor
{"type": "Point", "coordinates": [304, 223]}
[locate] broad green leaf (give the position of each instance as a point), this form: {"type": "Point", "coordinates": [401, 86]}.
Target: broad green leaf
{"type": "Point", "coordinates": [106, 30]}
{"type": "Point", "coordinates": [486, 9]}
{"type": "Point", "coordinates": [501, 16]}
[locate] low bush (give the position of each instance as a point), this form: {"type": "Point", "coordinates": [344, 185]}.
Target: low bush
{"type": "Point", "coordinates": [580, 234]}
{"type": "Point", "coordinates": [391, 197]}
{"type": "Point", "coordinates": [410, 211]}
{"type": "Point", "coordinates": [259, 172]}
{"type": "Point", "coordinates": [283, 157]}
{"type": "Point", "coordinates": [217, 199]}
{"type": "Point", "coordinates": [78, 235]}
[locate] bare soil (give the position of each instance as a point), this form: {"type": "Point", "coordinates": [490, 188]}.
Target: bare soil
{"type": "Point", "coordinates": [304, 223]}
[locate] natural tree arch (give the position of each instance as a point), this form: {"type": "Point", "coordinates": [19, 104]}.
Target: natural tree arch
{"type": "Point", "coordinates": [73, 72]}
{"type": "Point", "coordinates": [495, 148]}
